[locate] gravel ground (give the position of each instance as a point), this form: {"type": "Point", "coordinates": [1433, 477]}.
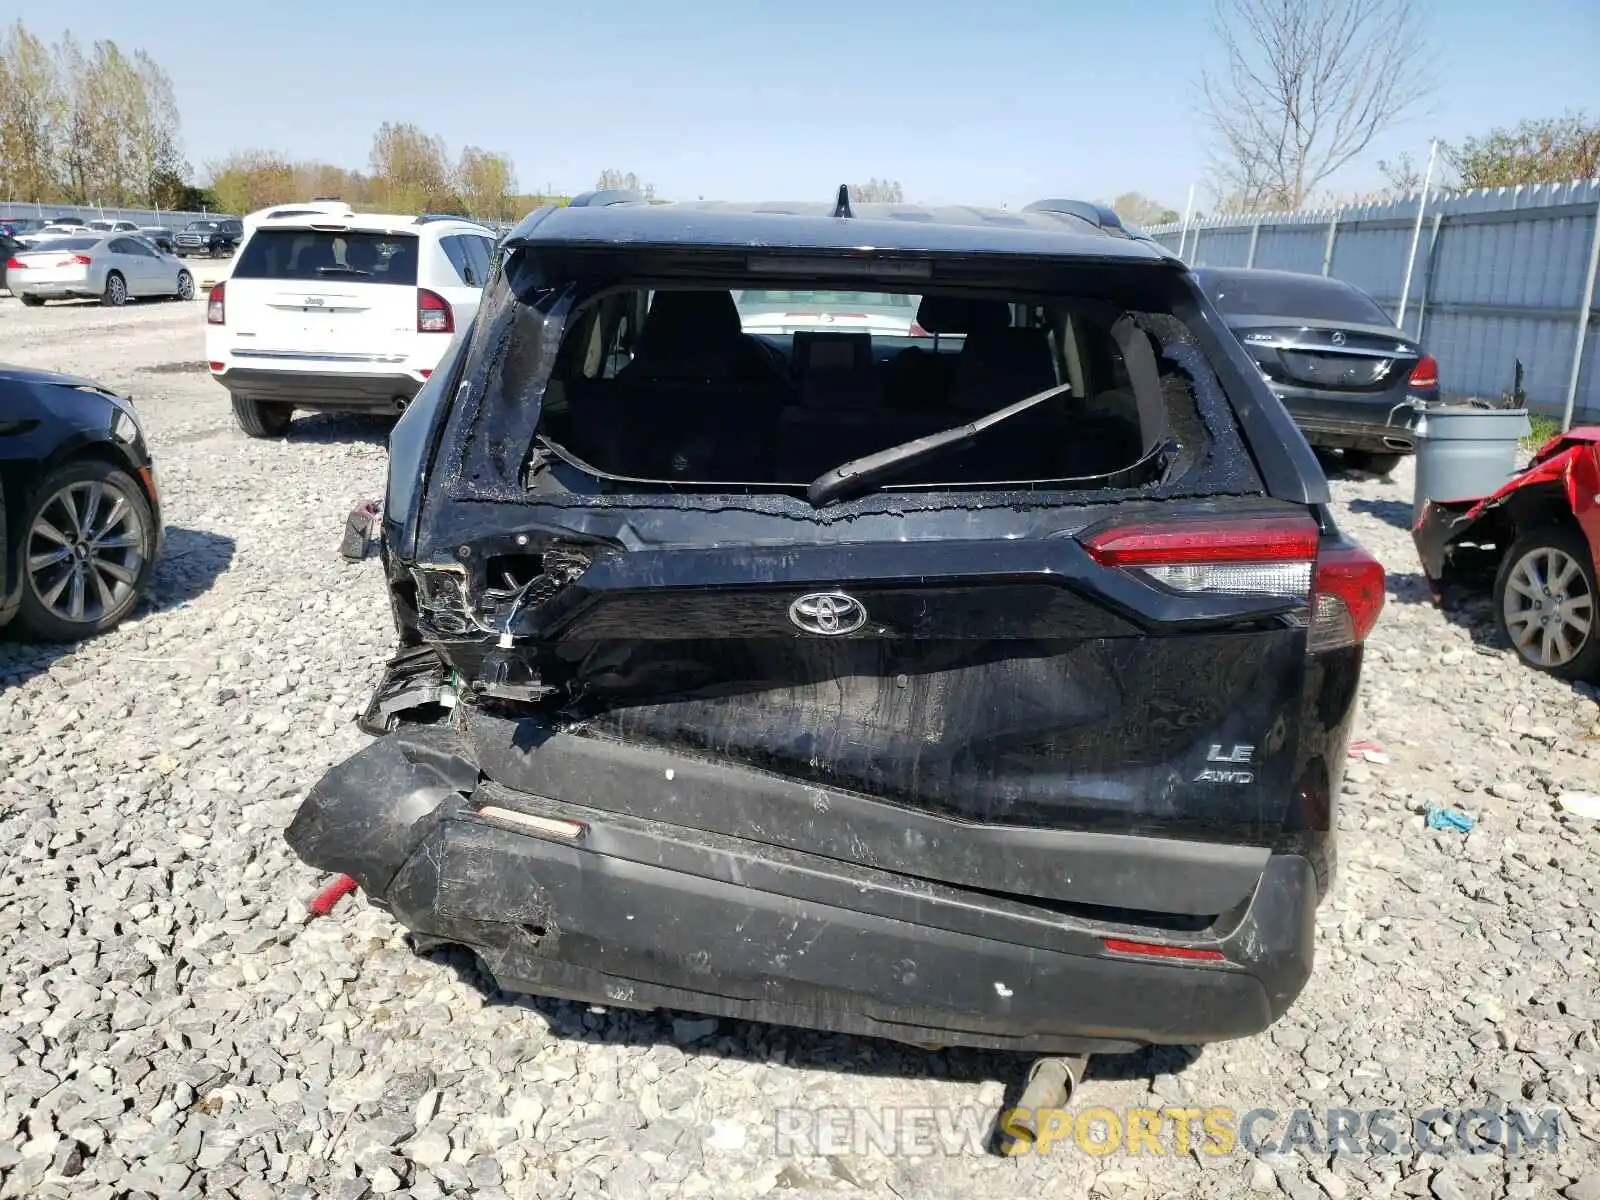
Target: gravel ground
{"type": "Point", "coordinates": [171, 1025]}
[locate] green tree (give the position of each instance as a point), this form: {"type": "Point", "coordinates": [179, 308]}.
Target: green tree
{"type": "Point", "coordinates": [410, 170]}
{"type": "Point", "coordinates": [613, 180]}
{"type": "Point", "coordinates": [250, 179]}
{"type": "Point", "coordinates": [170, 191]}
{"type": "Point", "coordinates": [486, 182]}
{"type": "Point", "coordinates": [155, 149]}
{"type": "Point", "coordinates": [1138, 209]}
{"type": "Point", "coordinates": [32, 112]}
{"type": "Point", "coordinates": [1548, 150]}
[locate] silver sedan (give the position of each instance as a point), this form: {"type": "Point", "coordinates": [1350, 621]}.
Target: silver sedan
{"type": "Point", "coordinates": [112, 268]}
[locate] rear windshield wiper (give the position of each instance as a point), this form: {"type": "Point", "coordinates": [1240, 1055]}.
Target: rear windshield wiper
{"type": "Point", "coordinates": [336, 269]}
{"type": "Point", "coordinates": [864, 473]}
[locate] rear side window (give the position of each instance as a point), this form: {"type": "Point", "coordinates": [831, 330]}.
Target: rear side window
{"type": "Point", "coordinates": [311, 254]}
{"type": "Point", "coordinates": [1245, 294]}
{"type": "Point", "coordinates": [480, 252]}
{"type": "Point", "coordinates": [469, 255]}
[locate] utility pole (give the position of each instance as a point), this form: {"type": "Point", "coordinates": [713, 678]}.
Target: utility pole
{"type": "Point", "coordinates": [1188, 211]}
{"type": "Point", "coordinates": [1416, 233]}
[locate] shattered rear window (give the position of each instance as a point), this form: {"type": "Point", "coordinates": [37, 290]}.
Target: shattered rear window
{"type": "Point", "coordinates": [597, 386]}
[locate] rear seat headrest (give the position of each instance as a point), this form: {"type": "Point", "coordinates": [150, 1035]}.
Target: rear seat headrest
{"type": "Point", "coordinates": [961, 314]}
{"type": "Point", "coordinates": [696, 319]}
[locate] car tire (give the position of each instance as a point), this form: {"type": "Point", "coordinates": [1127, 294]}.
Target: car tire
{"type": "Point", "coordinates": [32, 301]}
{"type": "Point", "coordinates": [104, 573]}
{"type": "Point", "coordinates": [185, 286]}
{"type": "Point", "coordinates": [1374, 462]}
{"type": "Point", "coordinates": [1522, 585]}
{"type": "Point", "coordinates": [116, 293]}
{"type": "Point", "coordinates": [262, 419]}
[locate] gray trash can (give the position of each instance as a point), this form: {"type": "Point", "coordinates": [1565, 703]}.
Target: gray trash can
{"type": "Point", "coordinates": [1464, 453]}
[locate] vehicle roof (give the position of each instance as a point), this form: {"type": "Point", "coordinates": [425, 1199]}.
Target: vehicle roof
{"type": "Point", "coordinates": [79, 234]}
{"type": "Point", "coordinates": [373, 222]}
{"type": "Point", "coordinates": [1292, 278]}
{"type": "Point", "coordinates": [807, 225]}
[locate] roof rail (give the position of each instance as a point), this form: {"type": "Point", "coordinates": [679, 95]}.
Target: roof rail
{"type": "Point", "coordinates": [1095, 214]}
{"type": "Point", "coordinates": [608, 196]}
{"type": "Point", "coordinates": [426, 217]}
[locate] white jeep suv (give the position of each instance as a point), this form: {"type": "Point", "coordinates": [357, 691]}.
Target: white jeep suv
{"type": "Point", "coordinates": [341, 312]}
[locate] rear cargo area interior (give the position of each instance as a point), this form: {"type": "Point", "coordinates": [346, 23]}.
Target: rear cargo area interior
{"type": "Point", "coordinates": [687, 385]}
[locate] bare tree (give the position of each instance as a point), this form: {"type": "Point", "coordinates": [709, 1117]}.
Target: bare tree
{"type": "Point", "coordinates": [1304, 87]}
{"type": "Point", "coordinates": [613, 180]}
{"type": "Point", "coordinates": [1402, 173]}
{"type": "Point", "coordinates": [877, 191]}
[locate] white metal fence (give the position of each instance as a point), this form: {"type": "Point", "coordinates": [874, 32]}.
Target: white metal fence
{"type": "Point", "coordinates": [171, 218]}
{"type": "Point", "coordinates": [1501, 275]}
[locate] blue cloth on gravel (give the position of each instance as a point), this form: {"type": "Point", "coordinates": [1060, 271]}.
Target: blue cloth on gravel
{"type": "Point", "coordinates": [1450, 818]}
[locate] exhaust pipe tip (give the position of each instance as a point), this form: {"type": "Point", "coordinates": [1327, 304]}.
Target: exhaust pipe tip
{"type": "Point", "coordinates": [1051, 1084]}
{"type": "Point", "coordinates": [400, 403]}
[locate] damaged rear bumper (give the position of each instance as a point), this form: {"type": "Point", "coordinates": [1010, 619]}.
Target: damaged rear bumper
{"type": "Point", "coordinates": [561, 895]}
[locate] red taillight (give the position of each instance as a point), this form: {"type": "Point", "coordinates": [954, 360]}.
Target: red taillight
{"type": "Point", "coordinates": [1346, 598]}
{"type": "Point", "coordinates": [77, 260]}
{"type": "Point", "coordinates": [433, 313]}
{"type": "Point", "coordinates": [1203, 540]}
{"type": "Point", "coordinates": [918, 330]}
{"type": "Point", "coordinates": [216, 309]}
{"type": "Point", "coordinates": [16, 264]}
{"type": "Point", "coordinates": [1274, 556]}
{"type": "Point", "coordinates": [1425, 374]}
{"type": "Point", "coordinates": [216, 366]}
{"type": "Point", "coordinates": [1156, 950]}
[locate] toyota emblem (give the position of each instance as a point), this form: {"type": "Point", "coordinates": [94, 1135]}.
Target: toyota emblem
{"type": "Point", "coordinates": [828, 613]}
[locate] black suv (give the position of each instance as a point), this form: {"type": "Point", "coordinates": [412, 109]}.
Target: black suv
{"type": "Point", "coordinates": [983, 679]}
{"type": "Point", "coordinates": [213, 237]}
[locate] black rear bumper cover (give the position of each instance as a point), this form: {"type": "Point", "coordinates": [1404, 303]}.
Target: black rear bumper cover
{"type": "Point", "coordinates": [642, 914]}
{"type": "Point", "coordinates": [333, 390]}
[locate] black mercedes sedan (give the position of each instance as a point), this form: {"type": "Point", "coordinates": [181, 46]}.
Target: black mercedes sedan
{"type": "Point", "coordinates": [80, 515]}
{"type": "Point", "coordinates": [1351, 379]}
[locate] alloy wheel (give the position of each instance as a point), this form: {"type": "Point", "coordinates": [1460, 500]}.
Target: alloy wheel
{"type": "Point", "coordinates": [85, 551]}
{"type": "Point", "coordinates": [1547, 607]}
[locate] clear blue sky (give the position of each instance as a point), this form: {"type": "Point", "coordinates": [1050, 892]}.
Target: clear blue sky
{"type": "Point", "coordinates": [982, 101]}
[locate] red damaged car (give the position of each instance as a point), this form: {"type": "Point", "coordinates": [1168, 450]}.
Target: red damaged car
{"type": "Point", "coordinates": [1539, 539]}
